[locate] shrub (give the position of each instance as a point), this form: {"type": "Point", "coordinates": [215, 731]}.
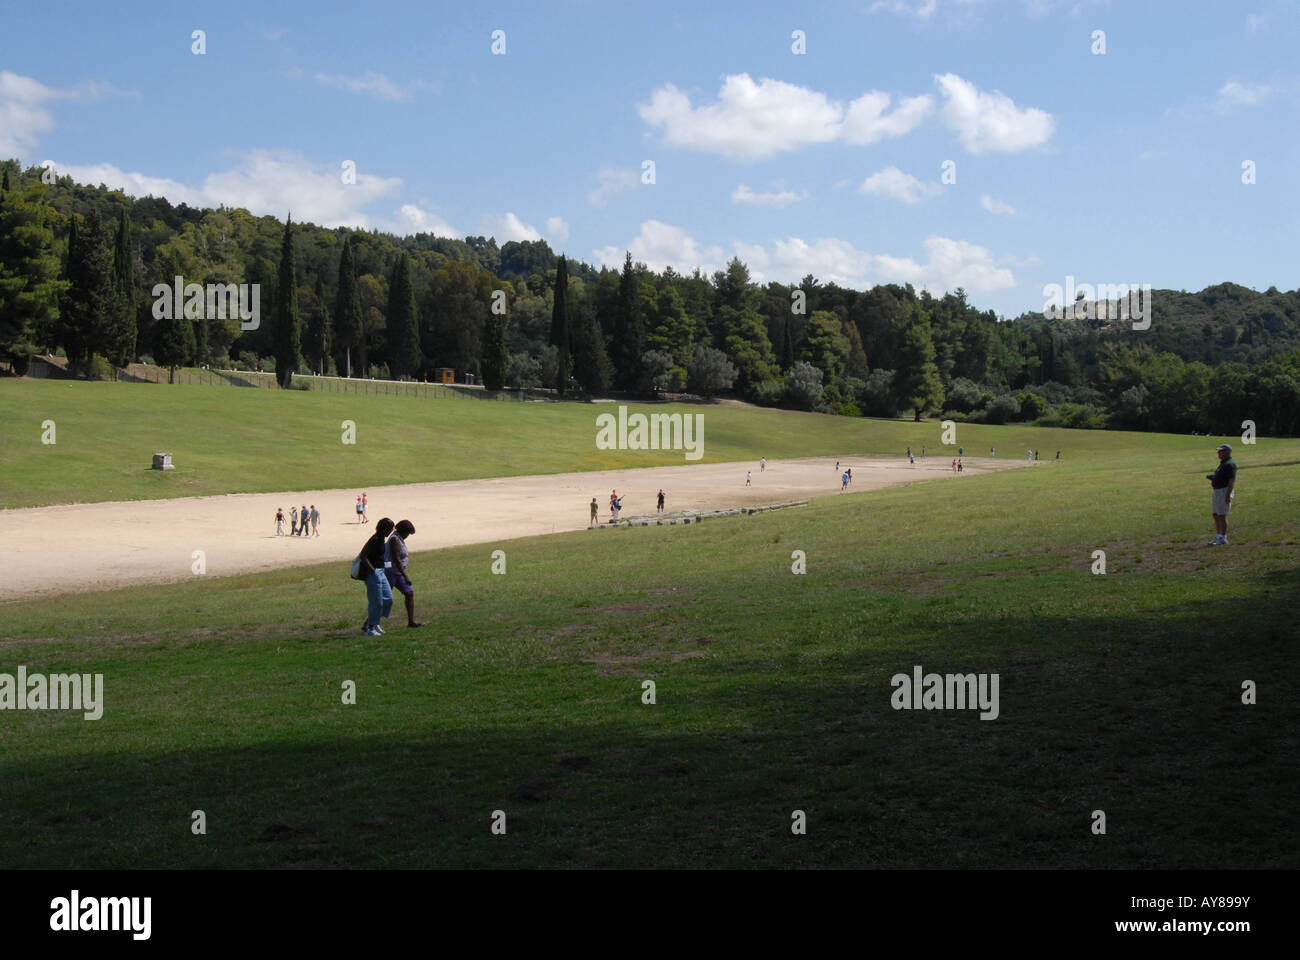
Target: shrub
{"type": "Point", "coordinates": [710, 371]}
{"type": "Point", "coordinates": [98, 369]}
{"type": "Point", "coordinates": [1001, 409]}
{"type": "Point", "coordinates": [768, 393]}
{"type": "Point", "coordinates": [803, 386]}
{"type": "Point", "coordinates": [964, 396]}
{"type": "Point", "coordinates": [876, 397]}
{"type": "Point", "coordinates": [1032, 406]}
{"type": "Point", "coordinates": [523, 370]}
{"type": "Point", "coordinates": [1074, 416]}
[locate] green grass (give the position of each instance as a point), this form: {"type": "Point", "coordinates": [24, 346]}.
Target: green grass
{"type": "Point", "coordinates": [1118, 692]}
{"type": "Point", "coordinates": [227, 440]}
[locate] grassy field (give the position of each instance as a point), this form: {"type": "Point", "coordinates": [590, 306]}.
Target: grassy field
{"type": "Point", "coordinates": [227, 440]}
{"type": "Point", "coordinates": [1119, 692]}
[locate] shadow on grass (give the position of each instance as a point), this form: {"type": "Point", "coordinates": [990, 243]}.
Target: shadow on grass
{"type": "Point", "coordinates": [1140, 717]}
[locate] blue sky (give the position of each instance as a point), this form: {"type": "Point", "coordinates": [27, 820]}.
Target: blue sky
{"type": "Point", "coordinates": [1123, 167]}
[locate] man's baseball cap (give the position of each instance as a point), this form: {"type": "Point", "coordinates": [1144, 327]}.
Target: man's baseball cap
{"type": "Point", "coordinates": [1225, 446]}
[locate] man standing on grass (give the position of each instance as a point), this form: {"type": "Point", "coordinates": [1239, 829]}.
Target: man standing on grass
{"type": "Point", "coordinates": [398, 578]}
{"type": "Point", "coordinates": [594, 509]}
{"type": "Point", "coordinates": [1222, 483]}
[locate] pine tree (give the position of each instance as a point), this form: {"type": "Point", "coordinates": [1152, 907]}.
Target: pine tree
{"type": "Point", "coordinates": [288, 346]}
{"type": "Point", "coordinates": [29, 271]}
{"type": "Point", "coordinates": [122, 329]}
{"type": "Point", "coordinates": [347, 309]}
{"type": "Point", "coordinates": [916, 379]}
{"type": "Point", "coordinates": [403, 329]}
{"type": "Point", "coordinates": [560, 336]}
{"type": "Point", "coordinates": [318, 332]}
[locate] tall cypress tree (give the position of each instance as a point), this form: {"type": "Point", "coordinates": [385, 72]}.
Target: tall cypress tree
{"type": "Point", "coordinates": [173, 337]}
{"type": "Point", "coordinates": [494, 353]}
{"type": "Point", "coordinates": [318, 332]}
{"type": "Point", "coordinates": [91, 300]}
{"type": "Point", "coordinates": [347, 309]}
{"type": "Point", "coordinates": [288, 341]}
{"type": "Point", "coordinates": [122, 329]}
{"type": "Point", "coordinates": [403, 328]}
{"type": "Point", "coordinates": [560, 335]}
{"type": "Point", "coordinates": [629, 329]}
{"type": "Point", "coordinates": [199, 334]}
{"type": "Point", "coordinates": [591, 364]}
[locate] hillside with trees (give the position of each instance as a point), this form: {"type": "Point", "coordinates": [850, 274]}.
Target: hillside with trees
{"type": "Point", "coordinates": [78, 265]}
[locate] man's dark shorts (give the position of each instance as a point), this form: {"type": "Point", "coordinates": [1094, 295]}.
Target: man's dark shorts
{"type": "Point", "coordinates": [400, 584]}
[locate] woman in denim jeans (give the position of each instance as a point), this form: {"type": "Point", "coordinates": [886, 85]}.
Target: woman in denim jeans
{"type": "Point", "coordinates": [379, 595]}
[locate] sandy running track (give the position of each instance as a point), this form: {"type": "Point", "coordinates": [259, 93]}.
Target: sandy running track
{"type": "Point", "coordinates": [97, 546]}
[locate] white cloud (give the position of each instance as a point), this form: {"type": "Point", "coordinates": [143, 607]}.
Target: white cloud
{"type": "Point", "coordinates": [1233, 94]}
{"type": "Point", "coordinates": [993, 205]}
{"type": "Point", "coordinates": [1255, 22]}
{"type": "Point", "coordinates": [23, 118]}
{"type": "Point", "coordinates": [892, 182]}
{"type": "Point", "coordinates": [660, 245]}
{"type": "Point", "coordinates": [921, 9]}
{"type": "Point", "coordinates": [991, 122]}
{"type": "Point", "coordinates": [413, 219]}
{"type": "Point", "coordinates": [751, 121]}
{"type": "Point", "coordinates": [276, 182]}
{"type": "Point", "coordinates": [867, 122]}
{"type": "Point", "coordinates": [557, 230]}
{"type": "Point", "coordinates": [949, 263]}
{"type": "Point", "coordinates": [613, 180]}
{"type": "Point", "coordinates": [742, 194]}
{"type": "Point", "coordinates": [368, 82]}
{"type": "Point", "coordinates": [509, 228]}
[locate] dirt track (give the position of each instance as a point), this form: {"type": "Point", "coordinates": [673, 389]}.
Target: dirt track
{"type": "Point", "coordinates": [97, 546]}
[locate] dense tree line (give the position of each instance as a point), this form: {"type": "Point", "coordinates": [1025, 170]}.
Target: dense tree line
{"type": "Point", "coordinates": [78, 264]}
